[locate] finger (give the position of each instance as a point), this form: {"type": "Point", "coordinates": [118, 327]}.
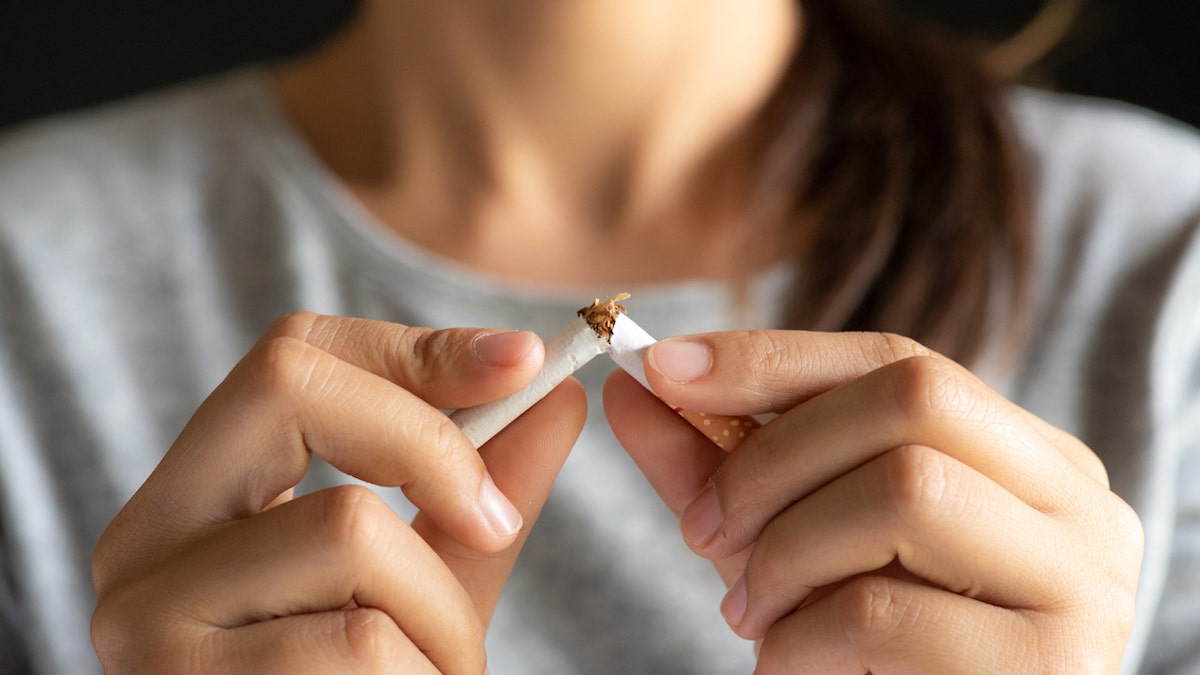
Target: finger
{"type": "Point", "coordinates": [319, 553]}
{"type": "Point", "coordinates": [878, 624]}
{"type": "Point", "coordinates": [749, 372]}
{"type": "Point", "coordinates": [941, 520]}
{"type": "Point", "coordinates": [767, 370]}
{"type": "Point", "coordinates": [448, 368]}
{"type": "Point", "coordinates": [524, 459]}
{"type": "Point", "coordinates": [677, 461]}
{"type": "Point", "coordinates": [918, 401]}
{"type": "Point", "coordinates": [358, 640]}
{"type": "Point", "coordinates": [252, 439]}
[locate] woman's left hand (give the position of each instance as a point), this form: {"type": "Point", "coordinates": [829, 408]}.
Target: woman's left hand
{"type": "Point", "coordinates": [897, 517]}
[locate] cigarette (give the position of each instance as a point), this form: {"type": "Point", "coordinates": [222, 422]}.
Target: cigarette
{"type": "Point", "coordinates": [602, 327]}
{"type": "Point", "coordinates": [628, 350]}
{"type": "Point", "coordinates": [568, 351]}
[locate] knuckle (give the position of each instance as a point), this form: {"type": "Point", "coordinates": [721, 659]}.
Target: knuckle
{"type": "Point", "coordinates": [119, 631]}
{"type": "Point", "coordinates": [1093, 466]}
{"type": "Point", "coordinates": [280, 365]}
{"type": "Point", "coordinates": [1071, 648]}
{"type": "Point", "coordinates": [771, 563]}
{"type": "Point", "coordinates": [296, 325]}
{"type": "Point", "coordinates": [109, 635]}
{"type": "Point", "coordinates": [873, 610]}
{"type": "Point", "coordinates": [467, 634]}
{"type": "Point", "coordinates": [351, 520]}
{"type": "Point", "coordinates": [1072, 447]}
{"type": "Point", "coordinates": [418, 354]}
{"type": "Point", "coordinates": [1122, 611]}
{"type": "Point", "coordinates": [918, 484]}
{"type": "Point", "coordinates": [881, 349]}
{"type": "Point", "coordinates": [446, 457]}
{"type": "Point", "coordinates": [925, 387]}
{"type": "Point", "coordinates": [445, 441]}
{"type": "Point", "coordinates": [1126, 544]}
{"type": "Point", "coordinates": [1128, 528]}
{"type": "Point", "coordinates": [102, 561]}
{"type": "Point", "coordinates": [371, 639]}
{"type": "Point", "coordinates": [775, 653]}
{"type": "Point", "coordinates": [741, 519]}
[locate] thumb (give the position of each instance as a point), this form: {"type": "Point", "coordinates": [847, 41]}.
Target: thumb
{"type": "Point", "coordinates": [524, 459]}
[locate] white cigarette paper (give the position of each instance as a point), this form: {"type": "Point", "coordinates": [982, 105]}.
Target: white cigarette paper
{"type": "Point", "coordinates": [628, 350]}
{"type": "Point", "coordinates": [566, 352]}
{"type": "Point", "coordinates": [602, 327]}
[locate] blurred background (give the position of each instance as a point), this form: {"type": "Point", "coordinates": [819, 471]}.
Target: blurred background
{"type": "Point", "coordinates": [61, 54]}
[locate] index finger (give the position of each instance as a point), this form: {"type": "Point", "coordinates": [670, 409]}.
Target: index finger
{"type": "Point", "coordinates": [447, 368]}
{"type": "Point", "coordinates": [773, 371]}
{"type": "Point", "coordinates": [361, 404]}
{"type": "Point", "coordinates": [758, 371]}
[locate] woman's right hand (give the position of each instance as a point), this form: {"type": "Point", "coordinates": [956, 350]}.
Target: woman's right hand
{"type": "Point", "coordinates": [212, 566]}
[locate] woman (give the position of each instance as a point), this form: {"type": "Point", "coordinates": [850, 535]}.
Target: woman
{"type": "Point", "coordinates": [499, 164]}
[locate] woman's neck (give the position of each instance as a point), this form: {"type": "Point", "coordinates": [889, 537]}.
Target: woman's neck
{"type": "Point", "coordinates": [471, 126]}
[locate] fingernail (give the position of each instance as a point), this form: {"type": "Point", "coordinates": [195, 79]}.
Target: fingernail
{"type": "Point", "coordinates": [502, 349]}
{"type": "Point", "coordinates": [680, 361]}
{"type": "Point", "coordinates": [702, 518]}
{"type": "Point", "coordinates": [502, 516]}
{"type": "Point", "coordinates": [733, 607]}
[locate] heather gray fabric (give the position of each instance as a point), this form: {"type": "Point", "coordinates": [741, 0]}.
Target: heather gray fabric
{"type": "Point", "coordinates": [144, 247]}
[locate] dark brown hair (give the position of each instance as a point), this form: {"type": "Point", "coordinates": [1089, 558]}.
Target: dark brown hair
{"type": "Point", "coordinates": [889, 147]}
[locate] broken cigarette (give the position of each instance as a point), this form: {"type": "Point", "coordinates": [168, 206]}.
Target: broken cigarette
{"type": "Point", "coordinates": [602, 327]}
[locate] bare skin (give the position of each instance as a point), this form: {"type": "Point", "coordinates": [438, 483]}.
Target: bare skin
{"type": "Point", "coordinates": [213, 567]}
{"type": "Point", "coordinates": [507, 128]}
{"type": "Point", "coordinates": [897, 517]}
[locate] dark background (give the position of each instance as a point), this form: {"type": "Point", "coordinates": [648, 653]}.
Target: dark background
{"type": "Point", "coordinates": [62, 54]}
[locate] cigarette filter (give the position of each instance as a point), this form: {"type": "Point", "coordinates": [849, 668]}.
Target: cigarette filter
{"type": "Point", "coordinates": [628, 350]}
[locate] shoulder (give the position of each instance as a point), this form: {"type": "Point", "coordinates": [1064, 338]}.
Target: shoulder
{"type": "Point", "coordinates": [1119, 162]}
{"type": "Point", "coordinates": [146, 127]}
{"type": "Point", "coordinates": [118, 158]}
{"type": "Point", "coordinates": [1116, 187]}
{"type": "Point", "coordinates": [1057, 125]}
{"type": "Point", "coordinates": [1117, 209]}
{"type": "Point", "coordinates": [130, 181]}
{"type": "Point", "coordinates": [1117, 192]}
{"type": "Point", "coordinates": [132, 203]}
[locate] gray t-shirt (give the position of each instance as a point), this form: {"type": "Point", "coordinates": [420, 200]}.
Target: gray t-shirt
{"type": "Point", "coordinates": [145, 246]}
